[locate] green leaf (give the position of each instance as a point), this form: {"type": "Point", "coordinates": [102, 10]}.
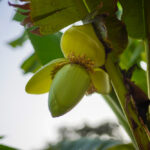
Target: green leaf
{"type": "Point", "coordinates": [132, 54]}
{"type": "Point", "coordinates": [139, 78]}
{"type": "Point", "coordinates": [51, 16]}
{"type": "Point", "coordinates": [31, 64]}
{"type": "Point", "coordinates": [122, 147]}
{"type": "Point", "coordinates": [18, 16]}
{"type": "Point", "coordinates": [46, 47]}
{"type": "Point", "coordinates": [136, 15]}
{"type": "Point", "coordinates": [4, 147]}
{"type": "Point", "coordinates": [19, 41]}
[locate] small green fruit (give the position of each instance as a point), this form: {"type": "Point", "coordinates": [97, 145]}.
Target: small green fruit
{"type": "Point", "coordinates": [68, 87]}
{"type": "Point", "coordinates": [82, 41]}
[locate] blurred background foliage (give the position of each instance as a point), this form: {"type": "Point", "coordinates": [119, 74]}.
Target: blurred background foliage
{"type": "Point", "coordinates": [105, 136]}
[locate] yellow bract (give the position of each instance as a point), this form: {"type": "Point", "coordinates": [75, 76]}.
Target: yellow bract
{"type": "Point", "coordinates": [41, 81]}
{"type": "Point", "coordinates": [101, 81]}
{"type": "Point", "coordinates": [82, 41]}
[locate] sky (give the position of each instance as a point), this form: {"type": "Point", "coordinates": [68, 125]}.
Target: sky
{"type": "Point", "coordinates": [25, 120]}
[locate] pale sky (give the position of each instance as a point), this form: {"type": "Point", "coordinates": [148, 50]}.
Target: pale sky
{"type": "Point", "coordinates": [25, 119]}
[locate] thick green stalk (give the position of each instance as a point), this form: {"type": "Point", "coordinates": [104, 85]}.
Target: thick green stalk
{"type": "Point", "coordinates": [126, 101]}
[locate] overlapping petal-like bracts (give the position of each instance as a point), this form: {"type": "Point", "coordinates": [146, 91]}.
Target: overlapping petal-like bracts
{"type": "Point", "coordinates": [50, 16]}
{"type": "Point", "coordinates": [68, 79]}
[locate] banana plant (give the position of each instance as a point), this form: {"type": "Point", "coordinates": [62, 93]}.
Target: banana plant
{"type": "Point", "coordinates": [103, 55]}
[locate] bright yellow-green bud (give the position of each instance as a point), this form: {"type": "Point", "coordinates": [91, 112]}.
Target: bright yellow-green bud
{"type": "Point", "coordinates": [68, 87]}
{"type": "Point", "coordinates": [82, 41]}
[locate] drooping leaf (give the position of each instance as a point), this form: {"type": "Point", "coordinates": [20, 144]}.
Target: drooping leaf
{"type": "Point", "coordinates": [31, 64]}
{"type": "Point", "coordinates": [136, 15]}
{"type": "Point", "coordinates": [122, 147]}
{"type": "Point", "coordinates": [132, 54]}
{"type": "Point", "coordinates": [19, 41]}
{"type": "Point", "coordinates": [46, 47]}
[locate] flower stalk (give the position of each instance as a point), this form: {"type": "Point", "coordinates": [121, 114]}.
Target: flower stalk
{"type": "Point", "coordinates": [128, 106]}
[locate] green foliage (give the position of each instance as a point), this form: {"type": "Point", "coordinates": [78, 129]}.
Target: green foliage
{"type": "Point", "coordinates": [132, 54]}
{"type": "Point", "coordinates": [136, 15]}
{"type": "Point", "coordinates": [87, 139]}
{"type": "Point", "coordinates": [18, 16]}
{"type": "Point", "coordinates": [51, 16]}
{"type": "Point", "coordinates": [113, 27]}
{"type": "Point", "coordinates": [46, 47]}
{"type": "Point", "coordinates": [139, 78]}
{"type": "Point", "coordinates": [4, 147]}
{"type": "Point", "coordinates": [19, 41]}
{"type": "Point", "coordinates": [31, 64]}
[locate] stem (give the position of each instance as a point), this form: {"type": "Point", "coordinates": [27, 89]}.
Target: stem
{"type": "Point", "coordinates": [147, 50]}
{"type": "Point", "coordinates": [118, 112]}
{"type": "Point", "coordinates": [138, 128]}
